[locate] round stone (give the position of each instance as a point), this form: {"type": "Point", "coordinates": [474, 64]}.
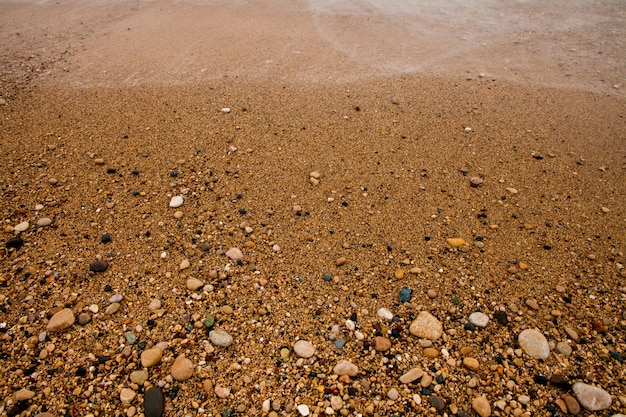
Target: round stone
{"type": "Point", "coordinates": [481, 406]}
{"type": "Point", "coordinates": [592, 398]}
{"type": "Point", "coordinates": [303, 409]}
{"type": "Point", "coordinates": [471, 363]}
{"type": "Point", "coordinates": [154, 402]}
{"type": "Point", "coordinates": [151, 357]}
{"type": "Point", "coordinates": [139, 377]}
{"type": "Point", "coordinates": [393, 394]}
{"type": "Point", "coordinates": [98, 266]}
{"type": "Point", "coordinates": [426, 326]}
{"type": "Point", "coordinates": [564, 348]}
{"type": "Point", "coordinates": [534, 343]}
{"type": "Point", "coordinates": [304, 349]}
{"type": "Point", "coordinates": [61, 320]}
{"type": "Point", "coordinates": [220, 338]}
{"type": "Point", "coordinates": [382, 344]}
{"type": "Point", "coordinates": [479, 319]}
{"type": "Point", "coordinates": [176, 201]}
{"type": "Point", "coordinates": [344, 367]}
{"type": "Point", "coordinates": [127, 395]}
{"type": "Point", "coordinates": [193, 284]}
{"type": "Point", "coordinates": [182, 368]}
{"type": "Point", "coordinates": [235, 254]}
{"type": "Point", "coordinates": [44, 221]}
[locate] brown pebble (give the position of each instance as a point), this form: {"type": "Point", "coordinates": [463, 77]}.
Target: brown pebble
{"type": "Point", "coordinates": [431, 352]}
{"type": "Point", "coordinates": [572, 404]}
{"type": "Point", "coordinates": [341, 261]}
{"type": "Point", "coordinates": [382, 344]}
{"type": "Point", "coordinates": [471, 363]}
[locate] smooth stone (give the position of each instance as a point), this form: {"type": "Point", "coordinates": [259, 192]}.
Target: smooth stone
{"type": "Point", "coordinates": [572, 404]}
{"type": "Point", "coordinates": [382, 344]}
{"type": "Point", "coordinates": [193, 284]}
{"type": "Point", "coordinates": [139, 377]}
{"type": "Point", "coordinates": [222, 392]}
{"type": "Point", "coordinates": [564, 348]}
{"type": "Point", "coordinates": [44, 221]}
{"type": "Point", "coordinates": [99, 266]}
{"type": "Point", "coordinates": [154, 402]}
{"type": "Point", "coordinates": [304, 349]}
{"type": "Point", "coordinates": [534, 343]}
{"type": "Point", "coordinates": [23, 395]}
{"type": "Point", "coordinates": [15, 242]}
{"type": "Point", "coordinates": [234, 254]}
{"type": "Point", "coordinates": [22, 227]}
{"type": "Point", "coordinates": [343, 367]}
{"type": "Point", "coordinates": [303, 409]}
{"type": "Point", "coordinates": [127, 395]}
{"type": "Point", "coordinates": [385, 313]}
{"type": "Point", "coordinates": [481, 406]}
{"type": "Point", "coordinates": [393, 394]}
{"type": "Point", "coordinates": [456, 242]}
{"type": "Point", "coordinates": [476, 181]}
{"type": "Point", "coordinates": [117, 298]}
{"type": "Point", "coordinates": [184, 264]}
{"type": "Point", "coordinates": [220, 338]}
{"type": "Point", "coordinates": [155, 304]}
{"type": "Point", "coordinates": [61, 320]}
{"type": "Point", "coordinates": [412, 375]}
{"type": "Point", "coordinates": [572, 334]}
{"type": "Point", "coordinates": [426, 326]}
{"type": "Point", "coordinates": [479, 319]}
{"type": "Point", "coordinates": [112, 309]}
{"type": "Point", "coordinates": [437, 402]}
{"type": "Point", "coordinates": [176, 201]}
{"type": "Point", "coordinates": [430, 352]}
{"type": "Point", "coordinates": [151, 357]}
{"type": "Point", "coordinates": [130, 338]}
{"type": "Point", "coordinates": [339, 343]}
{"type": "Point", "coordinates": [182, 368]}
{"type": "Point", "coordinates": [471, 363]}
{"type": "Point", "coordinates": [405, 295]}
{"type": "Point", "coordinates": [84, 318]}
{"type": "Point", "coordinates": [532, 304]}
{"type": "Point", "coordinates": [592, 398]}
{"type": "Point", "coordinates": [45, 414]}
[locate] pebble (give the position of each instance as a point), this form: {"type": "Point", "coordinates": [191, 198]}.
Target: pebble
{"type": "Point", "coordinates": [385, 314]}
{"type": "Point", "coordinates": [476, 182]}
{"type": "Point", "coordinates": [572, 334]}
{"type": "Point", "coordinates": [184, 264]}
{"type": "Point", "coordinates": [393, 394]}
{"type": "Point", "coordinates": [382, 344]}
{"type": "Point", "coordinates": [154, 402]}
{"type": "Point", "coordinates": [61, 320]}
{"type": "Point", "coordinates": [430, 352]}
{"type": "Point", "coordinates": [117, 298]}
{"type": "Point", "coordinates": [139, 377]}
{"type": "Point", "coordinates": [99, 266]}
{"type": "Point", "coordinates": [130, 338]}
{"type": "Point", "coordinates": [437, 402]}
{"type": "Point", "coordinates": [479, 319]}
{"type": "Point", "coordinates": [345, 367]}
{"type": "Point", "coordinates": [571, 404]}
{"type": "Point", "coordinates": [426, 326]}
{"type": "Point", "coordinates": [220, 338]}
{"type": "Point", "coordinates": [15, 243]}
{"type": "Point", "coordinates": [304, 349]}
{"type": "Point", "coordinates": [105, 238]}
{"type": "Point", "coordinates": [193, 284]}
{"type": "Point", "coordinates": [225, 110]}
{"type": "Point", "coordinates": [336, 402]}
{"type": "Point", "coordinates": [412, 375]}
{"type": "Point", "coordinates": [471, 363]}
{"type": "Point", "coordinates": [432, 294]}
{"type": "Point", "coordinates": [532, 304]}
{"type": "Point", "coordinates": [592, 398]}
{"type": "Point", "coordinates": [564, 348]}
{"type": "Point", "coordinates": [303, 409]}
{"type": "Point", "coordinates": [481, 406]}
{"type": "Point", "coordinates": [405, 295]}
{"type": "Point", "coordinates": [176, 201]}
{"type": "Point", "coordinates": [22, 227]}
{"type": "Point", "coordinates": [84, 318]}
{"type": "Point", "coordinates": [341, 261]}
{"type": "Point", "coordinates": [234, 254]}
{"type": "Point", "coordinates": [44, 221]}
{"type": "Point", "coordinates": [456, 241]}
{"type": "Point", "coordinates": [127, 395]}
{"type": "Point", "coordinates": [534, 343]}
{"type": "Point", "coordinates": [222, 392]}
{"type": "Point", "coordinates": [155, 304]}
{"type": "Point", "coordinates": [182, 368]}
{"type": "Point", "coordinates": [112, 309]}
{"type": "Point", "coordinates": [23, 395]}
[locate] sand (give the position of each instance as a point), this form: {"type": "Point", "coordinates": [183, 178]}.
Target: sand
{"type": "Point", "coordinates": [341, 179]}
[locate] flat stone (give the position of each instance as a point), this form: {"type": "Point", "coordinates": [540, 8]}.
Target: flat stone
{"type": "Point", "coordinates": [151, 357]}
{"type": "Point", "coordinates": [304, 349]}
{"type": "Point", "coordinates": [479, 319]}
{"type": "Point", "coordinates": [456, 242]}
{"type": "Point", "coordinates": [592, 398]}
{"type": "Point", "coordinates": [476, 181]}
{"type": "Point", "coordinates": [471, 363]}
{"type": "Point", "coordinates": [193, 284]}
{"type": "Point", "coordinates": [176, 201]}
{"type": "Point", "coordinates": [154, 402]}
{"type": "Point", "coordinates": [139, 377]}
{"type": "Point", "coordinates": [220, 338]}
{"type": "Point", "coordinates": [127, 395]}
{"type": "Point", "coordinates": [382, 344]}
{"type": "Point", "coordinates": [182, 368]}
{"type": "Point", "coordinates": [23, 395]}
{"type": "Point", "coordinates": [534, 343]}
{"type": "Point", "coordinates": [112, 308]}
{"type": "Point", "coordinates": [235, 254]}
{"type": "Point", "coordinates": [99, 266]}
{"type": "Point", "coordinates": [572, 334]}
{"type": "Point", "coordinates": [21, 227]}
{"type": "Point", "coordinates": [44, 221]}
{"type": "Point", "coordinates": [344, 367]}
{"type": "Point", "coordinates": [412, 375]}
{"type": "Point", "coordinates": [437, 402]}
{"type": "Point", "coordinates": [481, 406]}
{"type": "Point", "coordinates": [155, 304]}
{"type": "Point", "coordinates": [532, 304]}
{"type": "Point", "coordinates": [431, 352]}
{"type": "Point", "coordinates": [303, 409]}
{"type": "Point", "coordinates": [572, 404]}
{"type": "Point", "coordinates": [426, 326]}
{"type": "Point", "coordinates": [61, 320]}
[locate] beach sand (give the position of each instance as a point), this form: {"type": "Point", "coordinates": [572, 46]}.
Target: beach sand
{"type": "Point", "coordinates": [361, 158]}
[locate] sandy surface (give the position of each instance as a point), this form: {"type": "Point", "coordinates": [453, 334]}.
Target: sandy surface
{"type": "Point", "coordinates": [110, 109]}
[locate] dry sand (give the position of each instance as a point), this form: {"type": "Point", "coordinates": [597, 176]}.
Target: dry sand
{"type": "Point", "coordinates": [110, 109]}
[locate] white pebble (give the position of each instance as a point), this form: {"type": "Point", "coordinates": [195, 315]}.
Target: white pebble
{"type": "Point", "coordinates": [225, 110]}
{"type": "Point", "coordinates": [385, 314]}
{"type": "Point", "coordinates": [176, 201]}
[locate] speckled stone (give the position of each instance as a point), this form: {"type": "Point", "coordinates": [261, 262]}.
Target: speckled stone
{"type": "Point", "coordinates": [426, 326]}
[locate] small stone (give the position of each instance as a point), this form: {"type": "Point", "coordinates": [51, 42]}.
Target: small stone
{"type": "Point", "coordinates": [303, 409]}
{"type": "Point", "coordinates": [176, 201]}
{"type": "Point", "coordinates": [84, 318]}
{"type": "Point", "coordinates": [304, 349]}
{"type": "Point", "coordinates": [592, 398]}
{"type": "Point", "coordinates": [336, 402]}
{"type": "Point", "coordinates": [511, 190]}
{"type": "Point", "coordinates": [193, 284]}
{"type": "Point", "coordinates": [315, 174]}
{"type": "Point", "coordinates": [479, 319]}
{"type": "Point", "coordinates": [23, 395]}
{"type": "Point", "coordinates": [22, 227]}
{"type": "Point", "coordinates": [61, 320]}
{"type": "Point", "coordinates": [476, 182]}
{"type": "Point", "coordinates": [127, 395]}
{"type": "Point", "coordinates": [344, 367]}
{"type": "Point", "coordinates": [385, 314]}
{"type": "Point", "coordinates": [399, 274]}
{"type": "Point", "coordinates": [572, 404]}
{"type": "Point", "coordinates": [99, 161]}
{"type": "Point", "coordinates": [105, 238]}
{"type": "Point", "coordinates": [139, 377]}
{"type": "Point", "coordinates": [225, 110]}
{"type": "Point", "coordinates": [471, 363]}
{"type": "Point", "coordinates": [393, 394]}
{"type": "Point", "coordinates": [341, 261]}
{"type": "Point", "coordinates": [564, 348]}
{"type": "Point", "coordinates": [184, 264]}
{"type": "Point", "coordinates": [99, 266]}
{"type": "Point", "coordinates": [151, 357]}
{"type": "Point", "coordinates": [130, 338]}
{"type": "Point", "coordinates": [481, 406]}
{"type": "Point", "coordinates": [182, 368]}
{"type": "Point", "coordinates": [112, 309]}
{"type": "Point", "coordinates": [412, 375]}
{"type": "Point", "coordinates": [456, 242]}
{"type": "Point", "coordinates": [14, 243]}
{"type": "Point", "coordinates": [222, 392]}
{"type": "Point", "coordinates": [426, 326]}
{"type": "Point", "coordinates": [154, 402]}
{"type": "Point", "coordinates": [234, 254]}
{"type": "Point", "coordinates": [155, 304]}
{"type": "Point", "coordinates": [117, 298]}
{"type": "Point", "coordinates": [432, 294]}
{"type": "Point", "coordinates": [405, 295]}
{"type": "Point", "coordinates": [534, 343]}
{"type": "Point", "coordinates": [44, 221]}
{"type": "Point", "coordinates": [430, 352]}
{"type": "Point", "coordinates": [572, 334]}
{"type": "Point", "coordinates": [437, 402]}
{"type": "Point", "coordinates": [220, 338]}
{"type": "Point", "coordinates": [382, 344]}
{"type": "Point", "coordinates": [532, 304]}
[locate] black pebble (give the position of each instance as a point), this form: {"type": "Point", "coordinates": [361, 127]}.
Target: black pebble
{"type": "Point", "coordinates": [327, 277]}
{"type": "Point", "coordinates": [108, 288]}
{"type": "Point", "coordinates": [105, 238]}
{"type": "Point", "coordinates": [547, 247]}
{"type": "Point", "coordinates": [501, 317]}
{"type": "Point", "coordinates": [111, 170]}
{"type": "Point", "coordinates": [540, 379]}
{"type": "Point", "coordinates": [470, 327]}
{"type": "Point", "coordinates": [15, 242]}
{"type": "Point", "coordinates": [154, 402]}
{"type": "Point", "coordinates": [98, 266]}
{"type": "Point", "coordinates": [174, 174]}
{"type": "Point", "coordinates": [172, 394]}
{"type": "Point", "coordinates": [242, 211]}
{"type": "Point", "coordinates": [135, 172]}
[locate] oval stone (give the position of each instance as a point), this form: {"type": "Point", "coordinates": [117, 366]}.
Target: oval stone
{"type": "Point", "coordinates": [426, 326]}
{"type": "Point", "coordinates": [534, 343]}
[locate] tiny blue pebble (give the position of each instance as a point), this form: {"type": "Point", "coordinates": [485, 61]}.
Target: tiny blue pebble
{"type": "Point", "coordinates": [405, 295]}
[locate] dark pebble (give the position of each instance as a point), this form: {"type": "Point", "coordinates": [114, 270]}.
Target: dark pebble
{"type": "Point", "coordinates": [111, 170]}
{"type": "Point", "coordinates": [470, 327]}
{"type": "Point", "coordinates": [98, 266]}
{"type": "Point", "coordinates": [174, 174]}
{"type": "Point", "coordinates": [540, 379]}
{"type": "Point", "coordinates": [108, 288]}
{"type": "Point", "coordinates": [547, 247]}
{"type": "Point", "coordinates": [617, 356]}
{"type": "Point", "coordinates": [105, 238]}
{"type": "Point", "coordinates": [464, 414]}
{"type": "Point", "coordinates": [173, 393]}
{"type": "Point", "coordinates": [15, 242]}
{"type": "Point", "coordinates": [328, 277]}
{"type": "Point", "coordinates": [405, 295]}
{"type": "Point", "coordinates": [135, 172]}
{"type": "Point", "coordinates": [242, 211]}
{"type": "Point", "coordinates": [154, 402]}
{"type": "Point", "coordinates": [501, 317]}
{"type": "Point", "coordinates": [437, 402]}
{"type": "Point", "coordinates": [559, 380]}
{"type": "Point", "coordinates": [536, 156]}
